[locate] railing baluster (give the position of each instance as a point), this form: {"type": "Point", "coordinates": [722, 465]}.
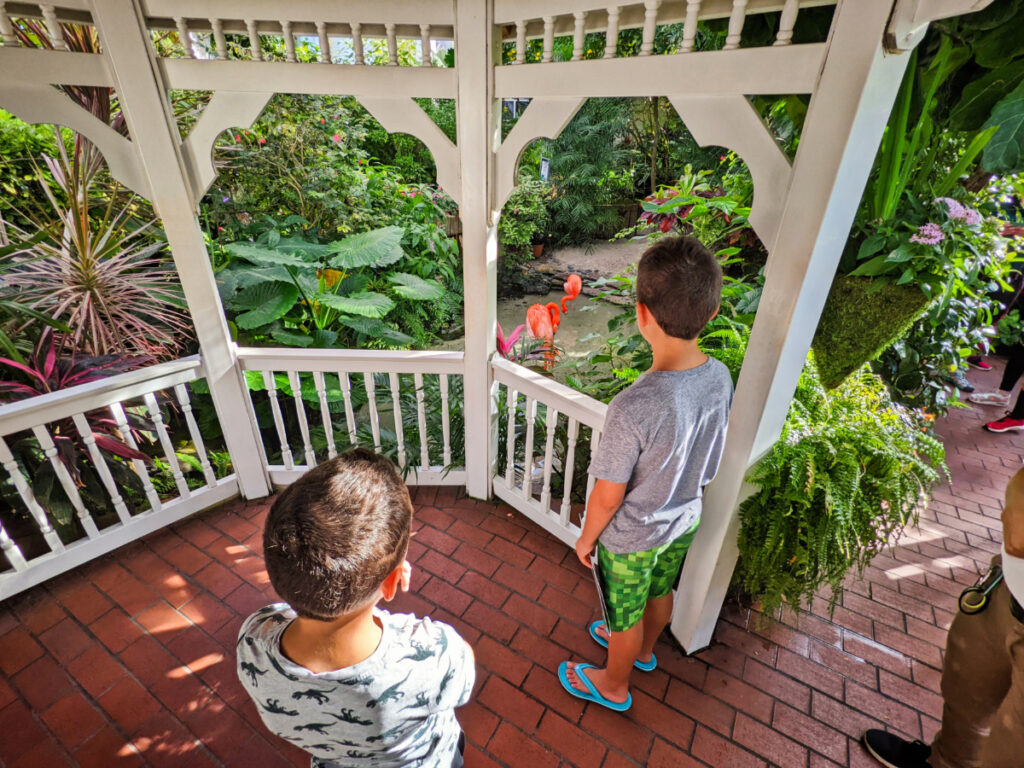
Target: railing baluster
{"type": "Point", "coordinates": [275, 408]}
{"type": "Point", "coordinates": [184, 38]}
{"type": "Point", "coordinates": [595, 438]}
{"type": "Point", "coordinates": [446, 424]}
{"type": "Point", "coordinates": [325, 412]}
{"type": "Point", "coordinates": [521, 42]}
{"type": "Point", "coordinates": [165, 442]}
{"type": "Point", "coordinates": [690, 25]}
{"type": "Point", "coordinates": [389, 30]}
{"type": "Point", "coordinates": [568, 471]}
{"type": "Point", "coordinates": [185, 403]}
{"type": "Point", "coordinates": [53, 28]}
{"type": "Point", "coordinates": [67, 483]}
{"type": "Point", "coordinates": [11, 551]}
{"type": "Point", "coordinates": [357, 41]}
{"type": "Point", "coordinates": [289, 41]}
{"type": "Point", "coordinates": [371, 394]}
{"type": "Point", "coordinates": [611, 36]}
{"type": "Point", "coordinates": [82, 425]}
{"type": "Point", "coordinates": [736, 19]}
{"type": "Point", "coordinates": [300, 411]}
{"type": "Point", "coordinates": [218, 38]}
{"type": "Point", "coordinates": [549, 38]}
{"type": "Point", "coordinates": [577, 34]}
{"type": "Point", "coordinates": [511, 401]}
{"type": "Point", "coordinates": [117, 411]}
{"type": "Point", "coordinates": [425, 57]}
{"type": "Point", "coordinates": [787, 21]}
{"type": "Point", "coordinates": [254, 40]}
{"type": "Point", "coordinates": [531, 417]}
{"type": "Point", "coordinates": [421, 420]}
{"type": "Point", "coordinates": [29, 499]}
{"type": "Point", "coordinates": [396, 406]}
{"type": "Point", "coordinates": [325, 42]}
{"type": "Point", "coordinates": [551, 417]}
{"type": "Point", "coordinates": [6, 28]}
{"type": "Point", "coordinates": [650, 26]}
{"type": "Point", "coordinates": [350, 418]}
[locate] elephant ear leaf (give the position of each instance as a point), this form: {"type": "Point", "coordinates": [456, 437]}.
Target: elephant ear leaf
{"type": "Point", "coordinates": [376, 248]}
{"type": "Point", "coordinates": [376, 329]}
{"type": "Point", "coordinates": [265, 303]}
{"type": "Point", "coordinates": [364, 304]}
{"type": "Point", "coordinates": [413, 287]}
{"type": "Point", "coordinates": [266, 257]}
{"type": "Point", "coordinates": [1005, 150]}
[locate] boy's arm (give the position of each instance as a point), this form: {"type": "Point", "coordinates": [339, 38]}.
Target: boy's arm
{"type": "Point", "coordinates": [604, 502]}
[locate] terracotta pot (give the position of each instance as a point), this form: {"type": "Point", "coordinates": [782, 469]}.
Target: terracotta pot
{"type": "Point", "coordinates": [538, 250]}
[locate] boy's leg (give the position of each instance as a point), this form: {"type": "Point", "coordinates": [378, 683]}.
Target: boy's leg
{"type": "Point", "coordinates": [656, 617]}
{"type": "Point", "coordinates": [664, 576]}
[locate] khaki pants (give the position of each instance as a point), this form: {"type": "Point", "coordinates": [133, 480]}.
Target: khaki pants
{"type": "Point", "coordinates": [983, 690]}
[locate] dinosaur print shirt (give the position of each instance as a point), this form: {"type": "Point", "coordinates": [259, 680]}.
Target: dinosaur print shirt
{"type": "Point", "coordinates": [395, 708]}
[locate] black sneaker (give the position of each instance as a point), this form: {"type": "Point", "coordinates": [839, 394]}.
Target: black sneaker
{"type": "Point", "coordinates": [894, 752]}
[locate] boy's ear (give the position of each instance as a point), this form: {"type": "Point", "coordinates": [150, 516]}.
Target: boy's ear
{"type": "Point", "coordinates": [389, 588]}
{"type": "Point", "coordinates": [643, 314]}
{"type": "Point", "coordinates": [715, 313]}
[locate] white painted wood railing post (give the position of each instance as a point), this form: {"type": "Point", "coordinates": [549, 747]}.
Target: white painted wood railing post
{"type": "Point", "coordinates": [6, 28]}
{"type": "Point", "coordinates": [844, 125]}
{"type": "Point", "coordinates": [478, 121]}
{"type": "Point", "coordinates": [142, 95]}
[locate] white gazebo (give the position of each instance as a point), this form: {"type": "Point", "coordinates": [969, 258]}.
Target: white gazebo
{"type": "Point", "coordinates": [802, 211]}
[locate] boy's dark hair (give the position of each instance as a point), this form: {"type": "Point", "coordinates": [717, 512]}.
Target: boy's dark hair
{"type": "Point", "coordinates": [333, 536]}
{"type": "Point", "coordinates": [680, 282]}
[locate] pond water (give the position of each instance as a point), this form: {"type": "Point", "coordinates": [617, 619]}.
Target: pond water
{"type": "Point", "coordinates": [584, 327]}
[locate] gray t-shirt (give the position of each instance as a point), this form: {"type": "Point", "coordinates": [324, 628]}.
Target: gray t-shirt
{"type": "Point", "coordinates": [395, 708]}
{"type": "Point", "coordinates": [663, 436]}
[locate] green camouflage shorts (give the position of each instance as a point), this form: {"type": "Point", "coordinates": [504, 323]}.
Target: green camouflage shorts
{"type": "Point", "coordinates": [631, 579]}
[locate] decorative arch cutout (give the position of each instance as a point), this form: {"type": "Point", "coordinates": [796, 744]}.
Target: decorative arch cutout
{"type": "Point", "coordinates": [45, 104]}
{"type": "Point", "coordinates": [227, 109]}
{"type": "Point", "coordinates": [545, 118]}
{"type": "Point", "coordinates": [403, 115]}
{"type": "Point", "coordinates": [731, 121]}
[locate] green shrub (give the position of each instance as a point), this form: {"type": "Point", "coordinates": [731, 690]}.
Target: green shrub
{"type": "Point", "coordinates": [848, 473]}
{"type": "Point", "coordinates": [860, 320]}
{"type": "Point", "coordinates": [524, 221]}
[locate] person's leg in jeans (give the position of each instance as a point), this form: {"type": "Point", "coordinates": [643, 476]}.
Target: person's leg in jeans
{"type": "Point", "coordinates": [1011, 373]}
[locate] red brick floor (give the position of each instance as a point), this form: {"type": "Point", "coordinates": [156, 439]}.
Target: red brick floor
{"type": "Point", "coordinates": [128, 661]}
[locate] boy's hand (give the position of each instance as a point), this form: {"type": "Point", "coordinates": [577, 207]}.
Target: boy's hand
{"type": "Point", "coordinates": [406, 578]}
{"type": "Point", "coordinates": [583, 551]}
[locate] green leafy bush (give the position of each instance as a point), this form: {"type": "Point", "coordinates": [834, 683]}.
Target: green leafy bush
{"type": "Point", "coordinates": [849, 472]}
{"type": "Point", "coordinates": [524, 221]}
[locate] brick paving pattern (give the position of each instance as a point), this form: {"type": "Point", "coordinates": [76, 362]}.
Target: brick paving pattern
{"type": "Point", "coordinates": [128, 661]}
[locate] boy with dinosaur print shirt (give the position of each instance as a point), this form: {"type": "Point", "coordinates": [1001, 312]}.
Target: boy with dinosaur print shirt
{"type": "Point", "coordinates": [331, 672]}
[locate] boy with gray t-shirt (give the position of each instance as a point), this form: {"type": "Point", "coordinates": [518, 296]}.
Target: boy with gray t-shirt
{"type": "Point", "coordinates": [330, 671]}
{"type": "Point", "coordinates": [661, 444]}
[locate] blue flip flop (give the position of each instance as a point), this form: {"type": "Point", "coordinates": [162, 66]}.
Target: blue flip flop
{"type": "Point", "coordinates": [648, 666]}
{"type": "Point", "coordinates": [591, 694]}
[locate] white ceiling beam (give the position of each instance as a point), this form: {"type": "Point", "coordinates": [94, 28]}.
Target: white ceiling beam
{"type": "Point", "coordinates": [283, 77]}
{"type": "Point", "coordinates": [910, 19]}
{"type": "Point", "coordinates": [28, 66]}
{"type": "Point", "coordinates": [364, 11]}
{"type": "Point", "coordinates": [751, 71]}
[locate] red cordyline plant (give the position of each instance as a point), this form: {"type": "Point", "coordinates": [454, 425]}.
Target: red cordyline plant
{"type": "Point", "coordinates": [101, 273]}
{"type": "Point", "coordinates": [46, 371]}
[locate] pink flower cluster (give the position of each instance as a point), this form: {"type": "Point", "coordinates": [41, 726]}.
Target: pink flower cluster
{"type": "Point", "coordinates": [960, 212]}
{"type": "Point", "coordinates": [928, 234]}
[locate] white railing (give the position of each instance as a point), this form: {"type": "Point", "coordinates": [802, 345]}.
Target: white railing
{"type": "Point", "coordinates": [545, 479]}
{"type": "Point", "coordinates": [523, 20]}
{"type": "Point", "coordinates": [353, 23]}
{"type": "Point", "coordinates": [64, 504]}
{"type": "Point", "coordinates": [312, 404]}
{"type": "Point", "coordinates": [47, 15]}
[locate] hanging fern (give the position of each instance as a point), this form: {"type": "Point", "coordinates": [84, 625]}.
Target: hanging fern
{"type": "Point", "coordinates": [849, 472]}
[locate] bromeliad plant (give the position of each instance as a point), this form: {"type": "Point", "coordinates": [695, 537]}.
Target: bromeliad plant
{"type": "Point", "coordinates": [46, 371]}
{"type": "Point", "coordinates": [305, 294]}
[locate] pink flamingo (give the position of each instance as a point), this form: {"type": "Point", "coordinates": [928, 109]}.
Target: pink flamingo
{"type": "Point", "coordinates": [572, 287]}
{"type": "Point", "coordinates": [543, 322]}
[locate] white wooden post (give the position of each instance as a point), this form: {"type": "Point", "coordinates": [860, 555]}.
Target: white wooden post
{"type": "Point", "coordinates": [479, 136]}
{"type": "Point", "coordinates": [142, 96]}
{"type": "Point", "coordinates": [844, 126]}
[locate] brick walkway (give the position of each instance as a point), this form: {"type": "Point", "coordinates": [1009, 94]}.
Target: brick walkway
{"type": "Point", "coordinates": [129, 661]}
